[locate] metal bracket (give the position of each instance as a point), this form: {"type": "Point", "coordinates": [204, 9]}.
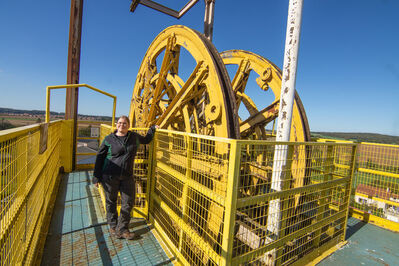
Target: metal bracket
{"type": "Point", "coordinates": [208, 18]}
{"type": "Point", "coordinates": [163, 9]}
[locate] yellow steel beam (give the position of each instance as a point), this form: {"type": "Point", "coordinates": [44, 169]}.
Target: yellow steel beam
{"type": "Point", "coordinates": [231, 203]}
{"type": "Point", "coordinates": [377, 172]}
{"type": "Point", "coordinates": [195, 77]}
{"type": "Point", "coordinates": [370, 218]}
{"type": "Point", "coordinates": [259, 199]}
{"type": "Point", "coordinates": [380, 144]}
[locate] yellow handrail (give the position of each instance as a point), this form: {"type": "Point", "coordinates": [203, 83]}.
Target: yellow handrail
{"type": "Point", "coordinates": [48, 88]}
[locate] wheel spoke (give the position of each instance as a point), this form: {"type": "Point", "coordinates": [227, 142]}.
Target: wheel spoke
{"type": "Point", "coordinates": [260, 118]}
{"type": "Point", "coordinates": [195, 78]}
{"type": "Point", "coordinates": [269, 78]}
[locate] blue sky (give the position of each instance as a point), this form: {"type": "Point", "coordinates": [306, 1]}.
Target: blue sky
{"type": "Point", "coordinates": [348, 68]}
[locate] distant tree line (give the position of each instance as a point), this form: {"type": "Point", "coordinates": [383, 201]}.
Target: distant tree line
{"type": "Point", "coordinates": [41, 112]}
{"type": "Point", "coordinates": [31, 112]}
{"type": "Point", "coordinates": [358, 137]}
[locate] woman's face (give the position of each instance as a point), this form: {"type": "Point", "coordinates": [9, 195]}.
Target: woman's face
{"type": "Point", "coordinates": [122, 126]}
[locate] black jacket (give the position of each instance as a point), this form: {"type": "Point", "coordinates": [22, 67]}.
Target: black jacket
{"type": "Point", "coordinates": [115, 157]}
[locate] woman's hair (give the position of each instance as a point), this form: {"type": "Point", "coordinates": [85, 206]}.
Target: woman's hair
{"type": "Point", "coordinates": [126, 118]}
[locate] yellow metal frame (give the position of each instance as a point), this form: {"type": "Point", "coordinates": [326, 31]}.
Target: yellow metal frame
{"type": "Point", "coordinates": [377, 167]}
{"type": "Point", "coordinates": [198, 187]}
{"type": "Point", "coordinates": [179, 194]}
{"type": "Point", "coordinates": [28, 189]}
{"type": "Point", "coordinates": [370, 218]}
{"type": "Point", "coordinates": [48, 90]}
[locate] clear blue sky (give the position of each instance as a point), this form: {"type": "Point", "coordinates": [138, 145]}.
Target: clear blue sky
{"type": "Point", "coordinates": [348, 68]}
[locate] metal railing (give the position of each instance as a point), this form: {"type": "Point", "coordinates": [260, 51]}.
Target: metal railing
{"type": "Point", "coordinates": [83, 155]}
{"type": "Point", "coordinates": [210, 199]}
{"type": "Point", "coordinates": [29, 169]}
{"type": "Point", "coordinates": [376, 185]}
{"type": "Point", "coordinates": [375, 192]}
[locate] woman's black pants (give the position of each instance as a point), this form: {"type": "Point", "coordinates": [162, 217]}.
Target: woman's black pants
{"type": "Point", "coordinates": [125, 185]}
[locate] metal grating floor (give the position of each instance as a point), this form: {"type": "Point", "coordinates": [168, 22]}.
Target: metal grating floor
{"type": "Point", "coordinates": [79, 235]}
{"type": "Point", "coordinates": [367, 245]}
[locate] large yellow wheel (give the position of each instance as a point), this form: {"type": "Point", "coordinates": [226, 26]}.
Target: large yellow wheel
{"type": "Point", "coordinates": [183, 85]}
{"type": "Point", "coordinates": [199, 101]}
{"type": "Point", "coordinates": [269, 80]}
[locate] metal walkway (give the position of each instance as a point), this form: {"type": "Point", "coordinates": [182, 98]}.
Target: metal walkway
{"type": "Point", "coordinates": [79, 235]}
{"type": "Point", "coordinates": [367, 245]}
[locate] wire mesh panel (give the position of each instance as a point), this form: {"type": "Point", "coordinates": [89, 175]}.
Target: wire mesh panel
{"type": "Point", "coordinates": [231, 202]}
{"type": "Point", "coordinates": [282, 219]}
{"type": "Point", "coordinates": [188, 194]}
{"type": "Point", "coordinates": [28, 178]}
{"type": "Point", "coordinates": [140, 173]}
{"type": "Point", "coordinates": [376, 183]}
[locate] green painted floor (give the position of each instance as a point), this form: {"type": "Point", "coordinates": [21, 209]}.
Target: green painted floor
{"type": "Point", "coordinates": [79, 235]}
{"type": "Point", "coordinates": [367, 245]}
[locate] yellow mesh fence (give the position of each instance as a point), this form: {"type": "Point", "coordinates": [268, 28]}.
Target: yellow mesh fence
{"type": "Point", "coordinates": [376, 184]}
{"type": "Point", "coordinates": [29, 167]}
{"type": "Point", "coordinates": [279, 220]}
{"type": "Point", "coordinates": [227, 202]}
{"type": "Point", "coordinates": [189, 192]}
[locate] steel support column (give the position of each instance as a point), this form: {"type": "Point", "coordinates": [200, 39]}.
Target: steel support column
{"type": "Point", "coordinates": [72, 94]}
{"type": "Point", "coordinates": [208, 18]}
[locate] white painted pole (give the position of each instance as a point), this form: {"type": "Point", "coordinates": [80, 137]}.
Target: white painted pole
{"type": "Point", "coordinates": [284, 118]}
{"type": "Point", "coordinates": [289, 70]}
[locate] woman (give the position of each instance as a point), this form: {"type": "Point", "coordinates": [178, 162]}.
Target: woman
{"type": "Point", "coordinates": [114, 170]}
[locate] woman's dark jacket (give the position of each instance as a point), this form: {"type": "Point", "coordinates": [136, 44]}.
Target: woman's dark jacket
{"type": "Point", "coordinates": [115, 157]}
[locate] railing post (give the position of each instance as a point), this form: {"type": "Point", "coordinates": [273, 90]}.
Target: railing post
{"type": "Point", "coordinates": [185, 196]}
{"type": "Point", "coordinates": [348, 191]}
{"type": "Point", "coordinates": [285, 202]}
{"type": "Point", "coordinates": [151, 176]}
{"type": "Point", "coordinates": [231, 202]}
{"type": "Point", "coordinates": [325, 194]}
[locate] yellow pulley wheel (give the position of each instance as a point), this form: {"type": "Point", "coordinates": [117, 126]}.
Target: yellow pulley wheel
{"type": "Point", "coordinates": [268, 78]}
{"type": "Point", "coordinates": [177, 95]}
